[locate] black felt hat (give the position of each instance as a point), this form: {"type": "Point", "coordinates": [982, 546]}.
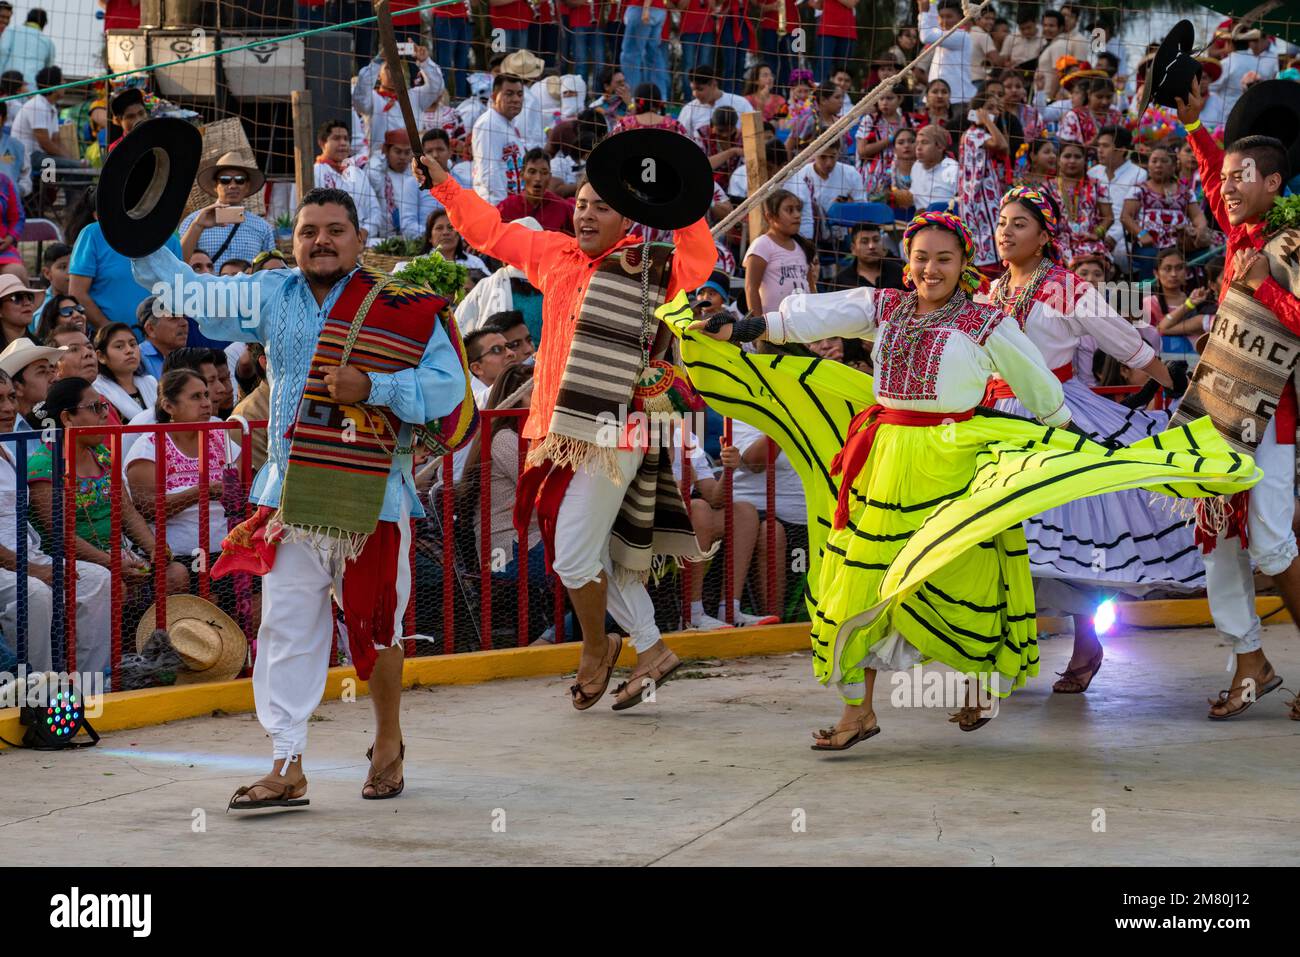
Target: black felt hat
{"type": "Point", "coordinates": [652, 176]}
{"type": "Point", "coordinates": [1173, 69]}
{"type": "Point", "coordinates": [145, 184]}
{"type": "Point", "coordinates": [1268, 108]}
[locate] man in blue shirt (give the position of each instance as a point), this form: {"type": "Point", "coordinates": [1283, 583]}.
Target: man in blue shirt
{"type": "Point", "coordinates": [287, 312]}
{"type": "Point", "coordinates": [25, 48]}
{"type": "Point", "coordinates": [101, 279]}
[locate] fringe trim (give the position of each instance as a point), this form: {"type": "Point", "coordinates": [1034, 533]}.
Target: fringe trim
{"type": "Point", "coordinates": [340, 546]}
{"type": "Point", "coordinates": [565, 451]}
{"type": "Point", "coordinates": [660, 565]}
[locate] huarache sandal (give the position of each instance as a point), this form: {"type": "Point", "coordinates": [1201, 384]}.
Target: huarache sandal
{"type": "Point", "coordinates": [285, 794]}
{"type": "Point", "coordinates": [1077, 680]}
{"type": "Point", "coordinates": [857, 731]}
{"type": "Point", "coordinates": [578, 691]}
{"type": "Point", "coordinates": [968, 718]}
{"type": "Point", "coordinates": [642, 683]}
{"type": "Point", "coordinates": [382, 781]}
{"type": "Point", "coordinates": [1225, 699]}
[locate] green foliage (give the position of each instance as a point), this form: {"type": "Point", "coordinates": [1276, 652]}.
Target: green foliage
{"type": "Point", "coordinates": [447, 279]}
{"type": "Point", "coordinates": [399, 246]}
{"type": "Point", "coordinates": [1285, 214]}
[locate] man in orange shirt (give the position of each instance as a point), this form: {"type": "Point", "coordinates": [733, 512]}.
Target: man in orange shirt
{"type": "Point", "coordinates": [581, 484]}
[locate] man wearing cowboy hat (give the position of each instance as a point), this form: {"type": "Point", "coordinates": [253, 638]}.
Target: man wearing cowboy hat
{"type": "Point", "coordinates": [236, 233]}
{"type": "Point", "coordinates": [377, 104]}
{"type": "Point", "coordinates": [30, 367]}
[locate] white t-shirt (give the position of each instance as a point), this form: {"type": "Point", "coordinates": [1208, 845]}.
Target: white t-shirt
{"type": "Point", "coordinates": [9, 507]}
{"type": "Point", "coordinates": [954, 60]}
{"type": "Point", "coordinates": [751, 487]}
{"type": "Point", "coordinates": [785, 274]}
{"type": "Point", "coordinates": [37, 113]}
{"type": "Point", "coordinates": [695, 115]}
{"type": "Point", "coordinates": [842, 182]}
{"type": "Point", "coordinates": [183, 473]}
{"type": "Point", "coordinates": [938, 185]}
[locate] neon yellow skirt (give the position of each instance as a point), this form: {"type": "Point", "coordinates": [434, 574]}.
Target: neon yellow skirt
{"type": "Point", "coordinates": [933, 550]}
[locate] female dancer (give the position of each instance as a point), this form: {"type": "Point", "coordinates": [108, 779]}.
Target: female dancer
{"type": "Point", "coordinates": [1112, 542]}
{"type": "Point", "coordinates": [918, 548]}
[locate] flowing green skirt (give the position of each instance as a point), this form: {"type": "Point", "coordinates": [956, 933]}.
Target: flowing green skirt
{"type": "Point", "coordinates": [933, 552]}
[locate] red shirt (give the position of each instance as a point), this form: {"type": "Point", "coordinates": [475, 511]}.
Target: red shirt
{"type": "Point", "coordinates": [512, 16]}
{"type": "Point", "coordinates": [578, 16]}
{"type": "Point", "coordinates": [838, 20]}
{"type": "Point", "coordinates": [120, 15]}
{"type": "Point", "coordinates": [553, 212]}
{"type": "Point", "coordinates": [453, 11]}
{"type": "Point", "coordinates": [405, 19]}
{"type": "Point", "coordinates": [770, 21]}
{"type": "Point", "coordinates": [698, 18]}
{"type": "Point", "coordinates": [556, 265]}
{"type": "Point", "coordinates": [1209, 159]}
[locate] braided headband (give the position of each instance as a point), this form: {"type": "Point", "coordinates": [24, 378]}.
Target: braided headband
{"type": "Point", "coordinates": [1036, 199]}
{"type": "Point", "coordinates": [971, 278]}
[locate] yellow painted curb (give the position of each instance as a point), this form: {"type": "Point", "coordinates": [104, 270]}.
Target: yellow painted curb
{"type": "Point", "coordinates": [1189, 612]}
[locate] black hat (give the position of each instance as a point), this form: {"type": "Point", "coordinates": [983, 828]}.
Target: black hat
{"type": "Point", "coordinates": [652, 176]}
{"type": "Point", "coordinates": [1173, 69]}
{"type": "Point", "coordinates": [123, 101]}
{"type": "Point", "coordinates": [145, 184]}
{"type": "Point", "coordinates": [1269, 108]}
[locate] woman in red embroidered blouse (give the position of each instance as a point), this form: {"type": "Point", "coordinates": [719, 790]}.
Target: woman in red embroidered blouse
{"type": "Point", "coordinates": [1163, 213]}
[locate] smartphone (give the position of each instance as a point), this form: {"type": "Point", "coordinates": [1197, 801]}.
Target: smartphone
{"type": "Point", "coordinates": [229, 214]}
{"type": "Point", "coordinates": [406, 48]}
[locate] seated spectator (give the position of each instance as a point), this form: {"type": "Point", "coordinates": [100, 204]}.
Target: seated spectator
{"type": "Point", "coordinates": [255, 406]}
{"type": "Point", "coordinates": [182, 398]}
{"type": "Point", "coordinates": [615, 100]}
{"type": "Point", "coordinates": [1162, 212]}
{"type": "Point", "coordinates": [715, 296]}
{"type": "Point", "coordinates": [201, 262]}
{"type": "Point", "coordinates": [397, 188]}
{"type": "Point", "coordinates": [17, 305]}
{"type": "Point", "coordinates": [222, 393]}
{"type": "Point", "coordinates": [937, 110]}
{"type": "Point", "coordinates": [102, 280]}
{"type": "Point", "coordinates": [721, 141]}
{"type": "Point", "coordinates": [60, 310]}
{"type": "Point", "coordinates": [569, 153]}
{"type": "Point", "coordinates": [334, 169]}
{"type": "Point", "coordinates": [648, 111]}
{"type": "Point", "coordinates": [226, 229]}
{"type": "Point", "coordinates": [760, 91]}
{"type": "Point", "coordinates": [553, 211]}
{"type": "Point", "coordinates": [876, 132]}
{"type": "Point", "coordinates": [271, 259]}
{"type": "Point", "coordinates": [128, 110]}
{"type": "Point", "coordinates": [26, 48]}
{"type": "Point", "coordinates": [824, 182]}
{"type": "Point", "coordinates": [697, 115]}
{"type": "Point", "coordinates": [30, 369]}
{"type": "Point", "coordinates": [439, 235]}
{"type": "Point", "coordinates": [778, 263]}
{"type": "Point", "coordinates": [198, 359]}
{"type": "Point", "coordinates": [488, 357]}
{"type": "Point", "coordinates": [709, 517]}
{"type": "Point", "coordinates": [12, 220]}
{"type": "Point", "coordinates": [436, 145]}
{"type": "Point", "coordinates": [827, 103]}
{"type": "Point", "coordinates": [750, 485]}
{"type": "Point", "coordinates": [164, 333]}
{"type": "Point", "coordinates": [1041, 164]}
{"type": "Point", "coordinates": [236, 267]}
{"type": "Point", "coordinates": [1181, 315]}
{"type": "Point", "coordinates": [121, 380]}
{"type": "Point", "coordinates": [74, 402]}
{"type": "Point", "coordinates": [37, 125]}
{"type": "Point", "coordinates": [511, 326]}
{"type": "Point", "coordinates": [1082, 125]}
{"type": "Point", "coordinates": [93, 581]}
{"type": "Point", "coordinates": [934, 175]}
{"type": "Point", "coordinates": [870, 267]}
{"type": "Point", "coordinates": [77, 359]}
{"type": "Point", "coordinates": [54, 270]}
{"type": "Point", "coordinates": [15, 161]}
{"type": "Point", "coordinates": [1085, 206]}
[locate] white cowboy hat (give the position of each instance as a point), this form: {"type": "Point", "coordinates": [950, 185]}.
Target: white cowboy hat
{"type": "Point", "coordinates": [523, 64]}
{"type": "Point", "coordinates": [208, 640]}
{"type": "Point", "coordinates": [207, 177]}
{"type": "Point", "coordinates": [21, 353]}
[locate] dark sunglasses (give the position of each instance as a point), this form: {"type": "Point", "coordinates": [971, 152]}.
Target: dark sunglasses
{"type": "Point", "coordinates": [228, 179]}
{"type": "Point", "coordinates": [21, 297]}
{"type": "Point", "coordinates": [66, 311]}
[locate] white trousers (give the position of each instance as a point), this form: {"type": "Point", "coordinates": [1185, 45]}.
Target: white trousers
{"type": "Point", "coordinates": [1229, 580]}
{"type": "Point", "coordinates": [94, 615]}
{"type": "Point", "coordinates": [582, 526]}
{"type": "Point", "coordinates": [294, 642]}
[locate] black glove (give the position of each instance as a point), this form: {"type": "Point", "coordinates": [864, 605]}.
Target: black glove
{"type": "Point", "coordinates": [748, 329]}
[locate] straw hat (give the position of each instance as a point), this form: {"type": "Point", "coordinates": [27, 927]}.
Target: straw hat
{"type": "Point", "coordinates": [209, 642]}
{"type": "Point", "coordinates": [21, 353]}
{"type": "Point", "coordinates": [523, 64]}
{"type": "Point", "coordinates": [207, 178]}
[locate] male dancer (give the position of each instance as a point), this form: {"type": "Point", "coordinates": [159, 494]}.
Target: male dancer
{"type": "Point", "coordinates": [320, 528]}
{"type": "Point", "coordinates": [1240, 187]}
{"type": "Point", "coordinates": [579, 528]}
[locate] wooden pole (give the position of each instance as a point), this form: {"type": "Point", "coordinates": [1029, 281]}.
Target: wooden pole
{"type": "Point", "coordinates": [751, 132]}
{"type": "Point", "coordinates": [304, 147]}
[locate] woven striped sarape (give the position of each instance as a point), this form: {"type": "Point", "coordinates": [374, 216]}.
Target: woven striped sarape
{"type": "Point", "coordinates": [932, 553]}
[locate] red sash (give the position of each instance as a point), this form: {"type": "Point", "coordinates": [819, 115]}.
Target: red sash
{"type": "Point", "coordinates": [998, 388]}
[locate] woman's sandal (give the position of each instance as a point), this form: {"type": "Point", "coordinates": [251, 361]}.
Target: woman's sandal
{"type": "Point", "coordinates": [633, 691]}
{"type": "Point", "coordinates": [859, 729]}
{"type": "Point", "coordinates": [1077, 680]}
{"type": "Point", "coordinates": [584, 699]}
{"type": "Point", "coordinates": [963, 718]}
{"type": "Point", "coordinates": [1272, 684]}
{"type": "Point", "coordinates": [287, 795]}
{"type": "Point", "coordinates": [382, 781]}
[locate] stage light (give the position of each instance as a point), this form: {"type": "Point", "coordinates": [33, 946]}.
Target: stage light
{"type": "Point", "coordinates": [1104, 620]}
{"type": "Point", "coordinates": [62, 712]}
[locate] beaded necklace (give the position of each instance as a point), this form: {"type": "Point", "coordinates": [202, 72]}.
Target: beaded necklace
{"type": "Point", "coordinates": [1017, 303]}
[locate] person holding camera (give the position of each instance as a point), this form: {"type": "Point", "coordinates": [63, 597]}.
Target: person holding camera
{"type": "Point", "coordinates": [226, 230]}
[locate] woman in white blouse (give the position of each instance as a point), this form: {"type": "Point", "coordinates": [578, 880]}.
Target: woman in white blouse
{"type": "Point", "coordinates": [1083, 551]}
{"type": "Point", "coordinates": [915, 504]}
{"type": "Point", "coordinates": [120, 381]}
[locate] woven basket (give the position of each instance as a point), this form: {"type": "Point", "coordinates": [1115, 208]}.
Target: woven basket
{"type": "Point", "coordinates": [382, 262]}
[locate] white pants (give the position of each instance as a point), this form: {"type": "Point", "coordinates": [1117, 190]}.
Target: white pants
{"type": "Point", "coordinates": [294, 642]}
{"type": "Point", "coordinates": [582, 526]}
{"type": "Point", "coordinates": [94, 615]}
{"type": "Point", "coordinates": [1229, 580]}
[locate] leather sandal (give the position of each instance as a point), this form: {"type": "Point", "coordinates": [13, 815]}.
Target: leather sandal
{"type": "Point", "coordinates": [585, 694]}
{"type": "Point", "coordinates": [382, 781]}
{"type": "Point", "coordinates": [1224, 700]}
{"type": "Point", "coordinates": [645, 679]}
{"type": "Point", "coordinates": [968, 718]}
{"type": "Point", "coordinates": [857, 731]}
{"type": "Point", "coordinates": [286, 794]}
{"type": "Point", "coordinates": [1077, 680]}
